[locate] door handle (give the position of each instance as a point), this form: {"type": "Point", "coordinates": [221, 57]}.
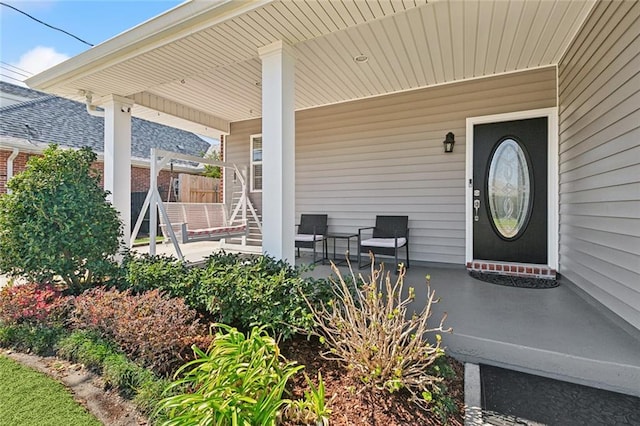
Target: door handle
{"type": "Point", "coordinates": [476, 207]}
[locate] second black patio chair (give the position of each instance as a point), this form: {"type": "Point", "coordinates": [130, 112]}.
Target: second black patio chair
{"type": "Point", "coordinates": [311, 231]}
{"type": "Point", "coordinates": [389, 235]}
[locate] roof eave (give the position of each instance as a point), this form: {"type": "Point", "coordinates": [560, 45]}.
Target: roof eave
{"type": "Point", "coordinates": [172, 25]}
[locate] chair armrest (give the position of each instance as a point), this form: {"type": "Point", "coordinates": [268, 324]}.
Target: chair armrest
{"type": "Point", "coordinates": [360, 232]}
{"type": "Point", "coordinates": [403, 235]}
{"type": "Point", "coordinates": [396, 235]}
{"type": "Point", "coordinates": [315, 233]}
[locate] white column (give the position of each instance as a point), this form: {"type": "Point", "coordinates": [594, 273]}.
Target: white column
{"type": "Point", "coordinates": [278, 151]}
{"type": "Point", "coordinates": [117, 157]}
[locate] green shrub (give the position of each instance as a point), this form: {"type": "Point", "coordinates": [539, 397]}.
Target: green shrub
{"type": "Point", "coordinates": [119, 372]}
{"type": "Point", "coordinates": [210, 170]}
{"type": "Point", "coordinates": [382, 344]}
{"type": "Point", "coordinates": [145, 272]}
{"type": "Point", "coordinates": [442, 404]}
{"type": "Point", "coordinates": [153, 330]}
{"type": "Point", "coordinates": [237, 381]}
{"type": "Point", "coordinates": [244, 291]}
{"type": "Point", "coordinates": [32, 303]}
{"type": "Point", "coordinates": [148, 394]}
{"type": "Point", "coordinates": [256, 291]}
{"type": "Point", "coordinates": [56, 222]}
{"type": "Point", "coordinates": [85, 347]}
{"type": "Point", "coordinates": [37, 338]}
{"type": "Point", "coordinates": [102, 356]}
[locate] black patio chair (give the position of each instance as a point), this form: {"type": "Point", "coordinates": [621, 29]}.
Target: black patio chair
{"type": "Point", "coordinates": [390, 234]}
{"type": "Point", "coordinates": [311, 231]}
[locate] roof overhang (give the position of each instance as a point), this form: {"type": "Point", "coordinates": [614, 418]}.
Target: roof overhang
{"type": "Point", "coordinates": [28, 147]}
{"type": "Point", "coordinates": [174, 24]}
{"type": "Point", "coordinates": [198, 63]}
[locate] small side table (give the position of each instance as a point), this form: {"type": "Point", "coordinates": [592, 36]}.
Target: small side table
{"type": "Point", "coordinates": [340, 236]}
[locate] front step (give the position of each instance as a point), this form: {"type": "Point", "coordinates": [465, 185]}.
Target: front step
{"type": "Point", "coordinates": [609, 375]}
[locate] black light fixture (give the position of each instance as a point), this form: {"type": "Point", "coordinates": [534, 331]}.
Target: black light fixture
{"type": "Point", "coordinates": [448, 142]}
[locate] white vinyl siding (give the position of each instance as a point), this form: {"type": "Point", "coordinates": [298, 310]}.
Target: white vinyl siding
{"type": "Point", "coordinates": [385, 155]}
{"type": "Point", "coordinates": [237, 148]}
{"type": "Point", "coordinates": [599, 124]}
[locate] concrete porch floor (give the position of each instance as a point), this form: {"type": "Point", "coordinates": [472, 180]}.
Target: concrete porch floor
{"type": "Point", "coordinates": [548, 332]}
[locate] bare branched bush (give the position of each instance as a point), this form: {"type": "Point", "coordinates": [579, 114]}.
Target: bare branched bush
{"type": "Point", "coordinates": [370, 330]}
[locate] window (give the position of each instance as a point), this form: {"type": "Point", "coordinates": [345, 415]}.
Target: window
{"type": "Point", "coordinates": [256, 163]}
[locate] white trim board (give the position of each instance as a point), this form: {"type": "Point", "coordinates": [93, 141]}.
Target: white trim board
{"type": "Point", "coordinates": [552, 176]}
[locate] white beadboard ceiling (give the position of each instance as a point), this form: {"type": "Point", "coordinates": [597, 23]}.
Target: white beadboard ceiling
{"type": "Point", "coordinates": [212, 72]}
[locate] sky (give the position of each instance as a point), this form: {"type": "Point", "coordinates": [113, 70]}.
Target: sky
{"type": "Point", "coordinates": [28, 47]}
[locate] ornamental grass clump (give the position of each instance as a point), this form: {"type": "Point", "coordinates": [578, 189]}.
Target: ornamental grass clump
{"type": "Point", "coordinates": [372, 332]}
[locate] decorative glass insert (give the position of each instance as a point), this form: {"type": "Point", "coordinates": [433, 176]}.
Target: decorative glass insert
{"type": "Point", "coordinates": [509, 189]}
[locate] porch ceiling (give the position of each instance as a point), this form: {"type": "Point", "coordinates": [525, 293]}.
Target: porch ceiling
{"type": "Point", "coordinates": [204, 67]}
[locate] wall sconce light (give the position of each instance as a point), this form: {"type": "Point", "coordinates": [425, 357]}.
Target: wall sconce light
{"type": "Point", "coordinates": [448, 142]}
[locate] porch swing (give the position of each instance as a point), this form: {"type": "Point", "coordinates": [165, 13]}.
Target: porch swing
{"type": "Point", "coordinates": [193, 221]}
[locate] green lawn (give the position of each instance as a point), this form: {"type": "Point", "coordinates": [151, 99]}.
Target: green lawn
{"type": "Point", "coordinates": [28, 397]}
{"type": "Point", "coordinates": [146, 240]}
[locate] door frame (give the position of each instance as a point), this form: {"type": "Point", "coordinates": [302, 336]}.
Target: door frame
{"type": "Point", "coordinates": [552, 177]}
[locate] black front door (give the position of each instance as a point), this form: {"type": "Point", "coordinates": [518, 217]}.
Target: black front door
{"type": "Point", "coordinates": [510, 191]}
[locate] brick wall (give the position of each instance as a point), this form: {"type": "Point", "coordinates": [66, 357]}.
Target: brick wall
{"type": "Point", "coordinates": [19, 164]}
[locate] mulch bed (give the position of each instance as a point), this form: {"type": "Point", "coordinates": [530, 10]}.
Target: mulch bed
{"type": "Point", "coordinates": [351, 406]}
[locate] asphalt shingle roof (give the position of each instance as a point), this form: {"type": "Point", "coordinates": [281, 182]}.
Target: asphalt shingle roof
{"type": "Point", "coordinates": [51, 119]}
{"type": "Point", "coordinates": [24, 92]}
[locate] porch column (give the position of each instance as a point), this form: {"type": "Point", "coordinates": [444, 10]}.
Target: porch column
{"type": "Point", "coordinates": [117, 157]}
{"type": "Point", "coordinates": [278, 151]}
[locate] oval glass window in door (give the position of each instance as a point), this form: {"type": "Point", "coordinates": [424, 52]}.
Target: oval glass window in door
{"type": "Point", "coordinates": [509, 189]}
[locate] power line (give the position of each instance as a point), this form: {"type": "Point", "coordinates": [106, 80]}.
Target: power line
{"type": "Point", "coordinates": [12, 78]}
{"type": "Point", "coordinates": [45, 24]}
{"type": "Point", "coordinates": [13, 71]}
{"type": "Point", "coordinates": [18, 68]}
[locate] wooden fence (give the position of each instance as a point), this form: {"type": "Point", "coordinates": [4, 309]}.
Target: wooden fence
{"type": "Point", "coordinates": [199, 189]}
